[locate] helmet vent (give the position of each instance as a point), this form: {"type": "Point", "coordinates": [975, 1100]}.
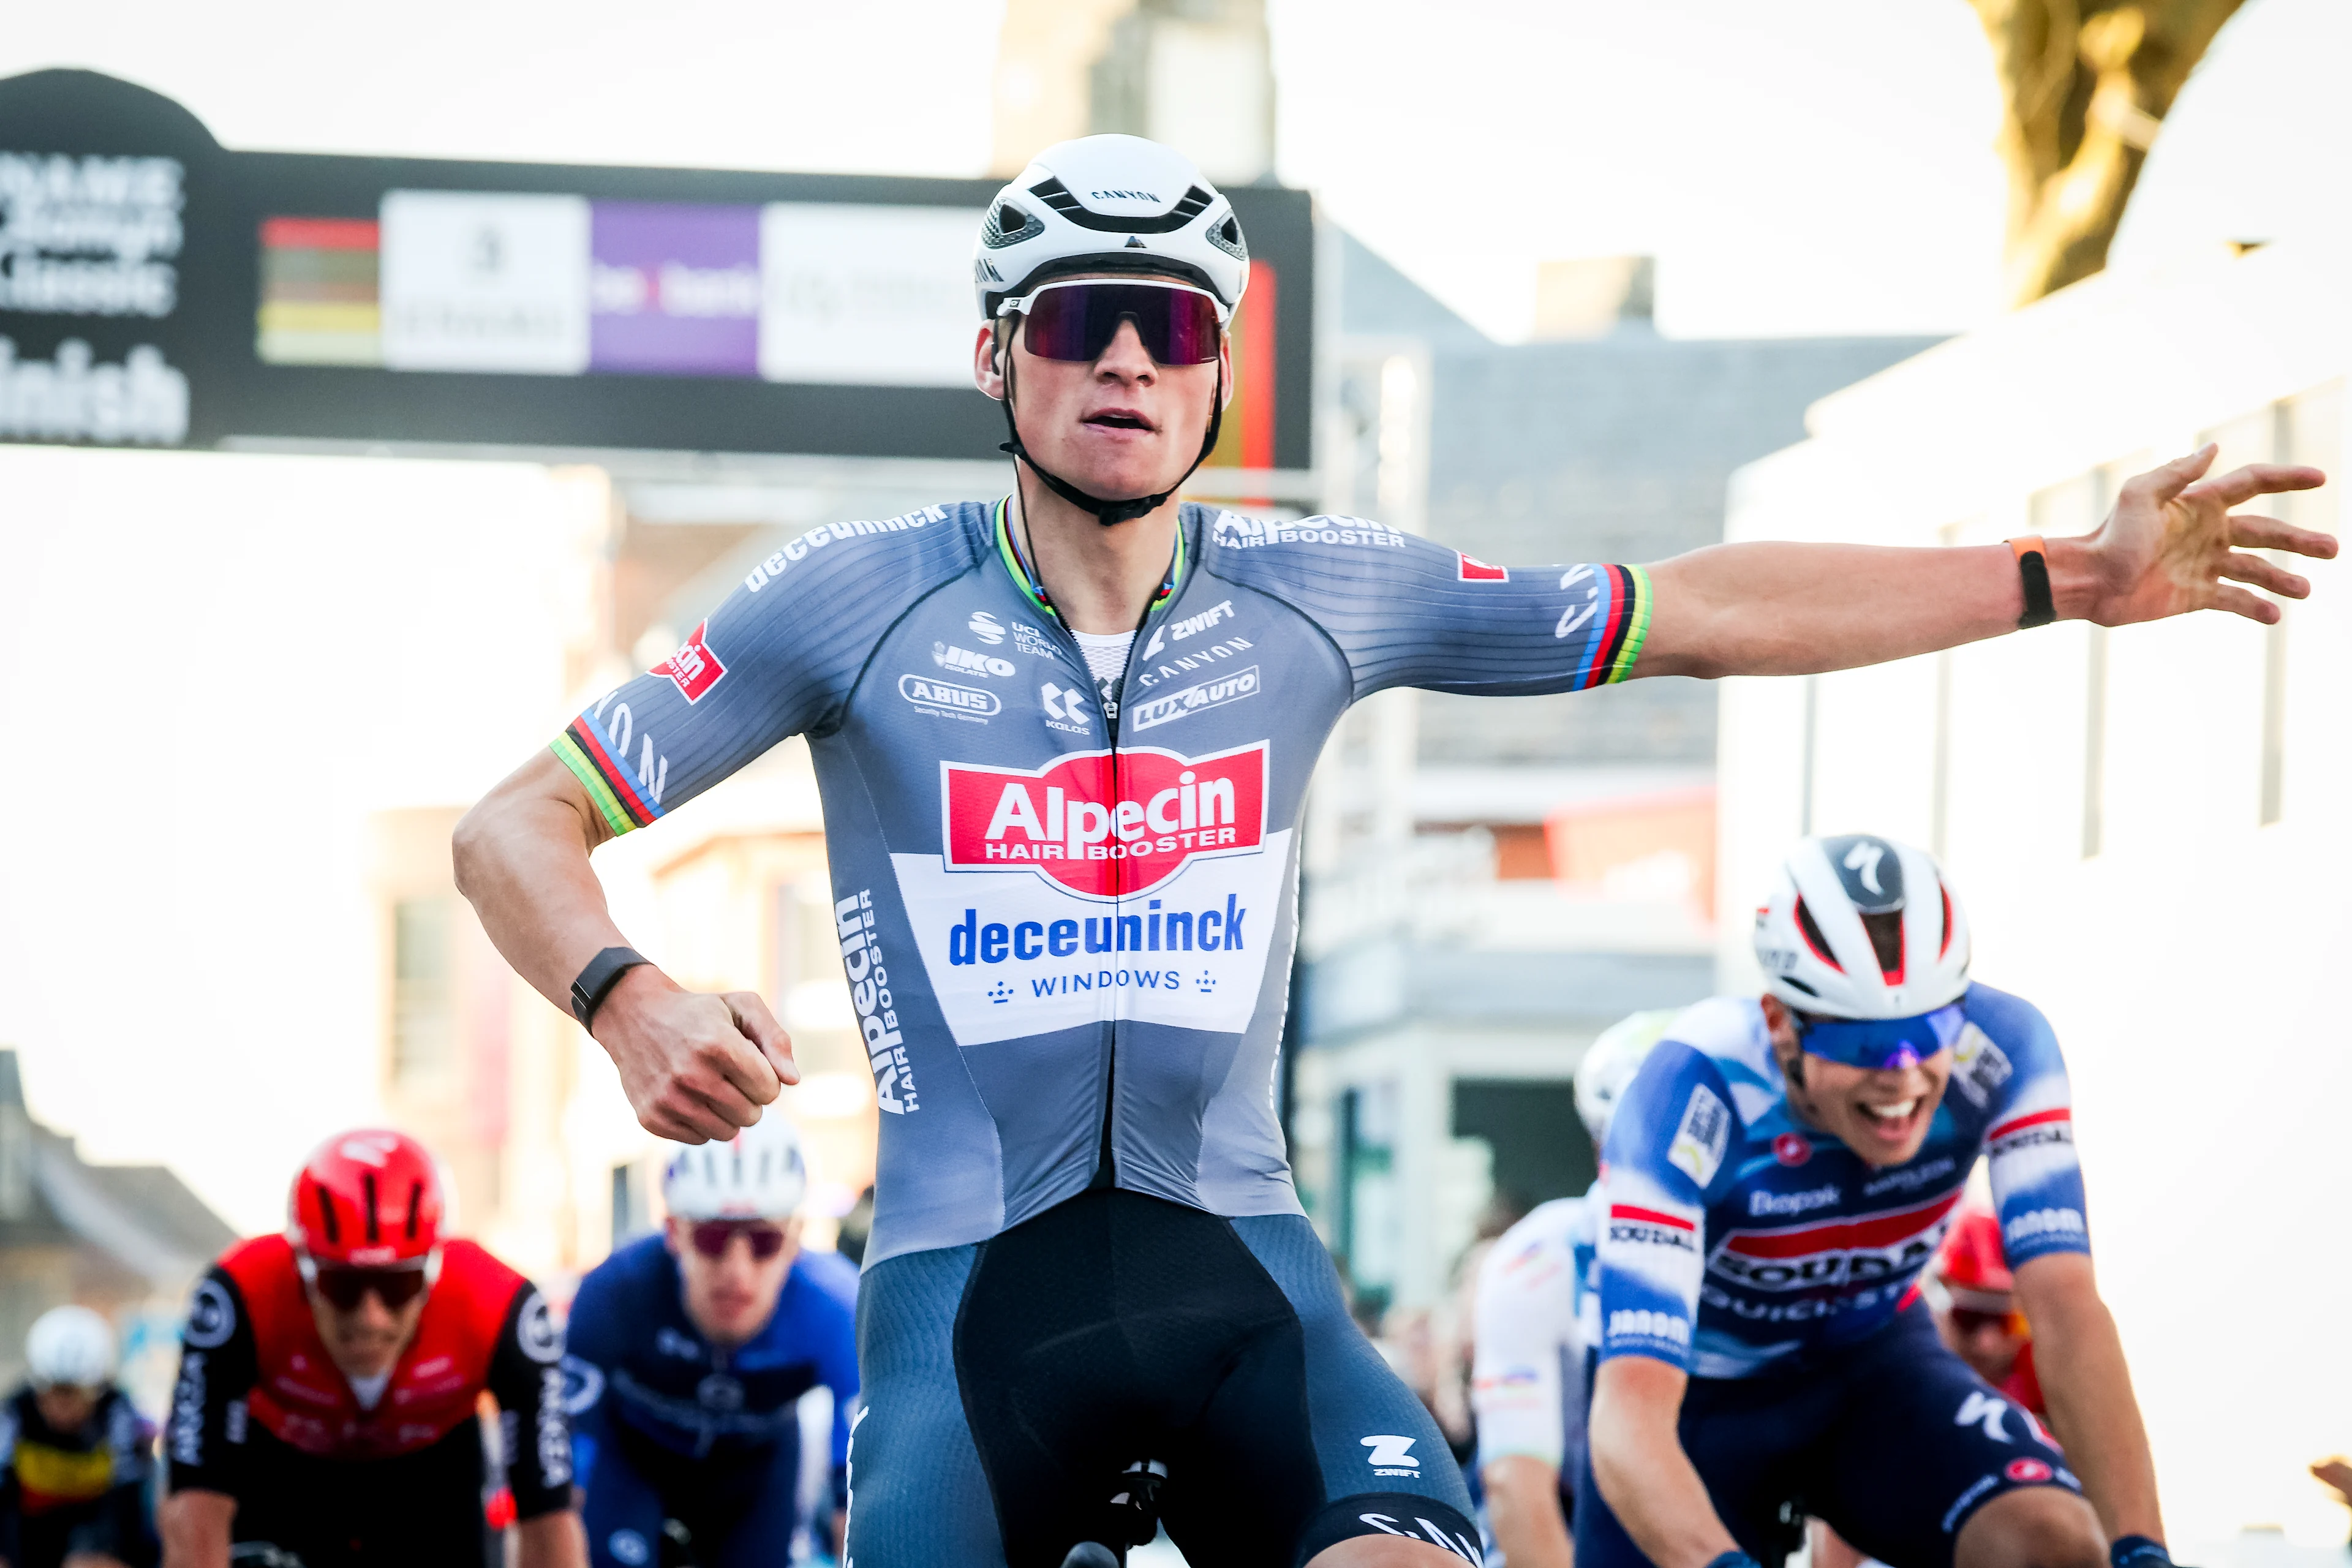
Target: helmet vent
{"type": "Point", "coordinates": [1814, 938]}
{"type": "Point", "coordinates": [1059, 196]}
{"type": "Point", "coordinates": [1887, 942]}
{"type": "Point", "coordinates": [367, 1186]}
{"type": "Point", "coordinates": [326, 1212]}
{"type": "Point", "coordinates": [415, 1204]}
{"type": "Point", "coordinates": [1009, 224]}
{"type": "Point", "coordinates": [1227, 236]}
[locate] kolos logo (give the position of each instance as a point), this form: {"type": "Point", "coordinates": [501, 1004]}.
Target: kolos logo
{"type": "Point", "coordinates": [1106, 824]}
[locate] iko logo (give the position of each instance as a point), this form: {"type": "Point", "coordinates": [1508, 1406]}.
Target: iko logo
{"type": "Point", "coordinates": [1066, 708]}
{"type": "Point", "coordinates": [947, 656]}
{"type": "Point", "coordinates": [869, 992]}
{"type": "Point", "coordinates": [986, 627]}
{"type": "Point", "coordinates": [1105, 830]}
{"type": "Point", "coordinates": [1760, 1203]}
{"type": "Point", "coordinates": [1154, 712]}
{"type": "Point", "coordinates": [694, 667]}
{"type": "Point", "coordinates": [946, 697]}
{"type": "Point", "coordinates": [1392, 1456]}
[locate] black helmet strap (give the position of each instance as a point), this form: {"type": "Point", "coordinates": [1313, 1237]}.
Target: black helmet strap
{"type": "Point", "coordinates": [1110, 513]}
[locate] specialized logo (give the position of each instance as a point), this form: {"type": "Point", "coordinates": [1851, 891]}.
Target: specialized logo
{"type": "Point", "coordinates": [693, 667]}
{"type": "Point", "coordinates": [1700, 1143]}
{"type": "Point", "coordinates": [1153, 711]}
{"type": "Point", "coordinates": [946, 696]}
{"type": "Point", "coordinates": [1470, 569]}
{"type": "Point", "coordinates": [1871, 872]}
{"type": "Point", "coordinates": [1066, 708]}
{"type": "Point", "coordinates": [1104, 824]}
{"type": "Point", "coordinates": [1392, 1456]}
{"type": "Point", "coordinates": [947, 656]}
{"type": "Point", "coordinates": [1835, 1254]}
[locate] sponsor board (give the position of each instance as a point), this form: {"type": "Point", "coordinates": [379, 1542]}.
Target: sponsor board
{"type": "Point", "coordinates": [693, 668]}
{"type": "Point", "coordinates": [946, 697]}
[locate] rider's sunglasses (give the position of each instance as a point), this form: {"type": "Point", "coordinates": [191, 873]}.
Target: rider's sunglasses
{"type": "Point", "coordinates": [1970, 1320]}
{"type": "Point", "coordinates": [1077, 320]}
{"type": "Point", "coordinates": [344, 1288]}
{"type": "Point", "coordinates": [711, 1236]}
{"type": "Point", "coordinates": [1881, 1044]}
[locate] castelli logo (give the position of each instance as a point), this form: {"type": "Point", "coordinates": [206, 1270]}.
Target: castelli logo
{"type": "Point", "coordinates": [1103, 823]}
{"type": "Point", "coordinates": [693, 667]}
{"type": "Point", "coordinates": [2027, 1470]}
{"type": "Point", "coordinates": [1792, 1149]}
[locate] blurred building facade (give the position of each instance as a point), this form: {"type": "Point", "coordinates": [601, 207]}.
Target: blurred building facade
{"type": "Point", "coordinates": [1488, 884]}
{"type": "Point", "coordinates": [2146, 823]}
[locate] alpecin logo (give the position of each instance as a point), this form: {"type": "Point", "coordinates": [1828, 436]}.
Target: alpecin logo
{"type": "Point", "coordinates": [694, 667]}
{"type": "Point", "coordinates": [1106, 825]}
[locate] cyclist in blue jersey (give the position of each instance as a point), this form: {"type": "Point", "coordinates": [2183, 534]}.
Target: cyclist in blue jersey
{"type": "Point", "coordinates": [1062, 739]}
{"type": "Point", "coordinates": [1777, 1176]}
{"type": "Point", "coordinates": [688, 1355]}
{"type": "Point", "coordinates": [1536, 1314]}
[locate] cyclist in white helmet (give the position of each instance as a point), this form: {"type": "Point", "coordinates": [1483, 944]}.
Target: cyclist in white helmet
{"type": "Point", "coordinates": [1527, 1380]}
{"type": "Point", "coordinates": [1063, 739]}
{"type": "Point", "coordinates": [1779, 1174]}
{"type": "Point", "coordinates": [76, 1456]}
{"type": "Point", "coordinates": [688, 1355]}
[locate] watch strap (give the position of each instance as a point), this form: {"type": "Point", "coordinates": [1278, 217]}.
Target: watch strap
{"type": "Point", "coordinates": [2033, 573]}
{"type": "Point", "coordinates": [597, 979]}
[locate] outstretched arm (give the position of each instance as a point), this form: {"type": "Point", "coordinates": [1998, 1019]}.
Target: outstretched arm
{"type": "Point", "coordinates": [2080, 1360]}
{"type": "Point", "coordinates": [2170, 546]}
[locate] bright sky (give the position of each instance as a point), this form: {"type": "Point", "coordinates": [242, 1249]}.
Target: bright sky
{"type": "Point", "coordinates": [1797, 165]}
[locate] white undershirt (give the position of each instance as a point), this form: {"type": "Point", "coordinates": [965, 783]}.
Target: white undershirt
{"type": "Point", "coordinates": [1105, 654]}
{"type": "Point", "coordinates": [368, 1391]}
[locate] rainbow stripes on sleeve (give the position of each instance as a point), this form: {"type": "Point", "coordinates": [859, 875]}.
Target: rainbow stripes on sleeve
{"type": "Point", "coordinates": [602, 775]}
{"type": "Point", "coordinates": [1621, 620]}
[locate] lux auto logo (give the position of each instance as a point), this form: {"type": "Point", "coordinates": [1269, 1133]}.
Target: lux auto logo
{"type": "Point", "coordinates": [1106, 824]}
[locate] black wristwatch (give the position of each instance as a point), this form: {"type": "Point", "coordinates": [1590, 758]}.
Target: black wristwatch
{"type": "Point", "coordinates": [596, 981]}
{"type": "Point", "coordinates": [2033, 577]}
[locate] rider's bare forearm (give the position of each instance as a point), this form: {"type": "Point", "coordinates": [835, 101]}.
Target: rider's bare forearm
{"type": "Point", "coordinates": [2080, 1359]}
{"type": "Point", "coordinates": [521, 857]}
{"type": "Point", "coordinates": [194, 1526]}
{"type": "Point", "coordinates": [1774, 608]}
{"type": "Point", "coordinates": [1638, 1460]}
{"type": "Point", "coordinates": [1523, 1507]}
{"type": "Point", "coordinates": [552, 1541]}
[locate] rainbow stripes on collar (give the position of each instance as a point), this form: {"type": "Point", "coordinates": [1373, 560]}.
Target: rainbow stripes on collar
{"type": "Point", "coordinates": [1026, 580]}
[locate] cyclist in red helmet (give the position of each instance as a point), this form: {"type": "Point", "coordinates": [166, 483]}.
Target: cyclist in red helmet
{"type": "Point", "coordinates": [1976, 1313]}
{"type": "Point", "coordinates": [325, 1415]}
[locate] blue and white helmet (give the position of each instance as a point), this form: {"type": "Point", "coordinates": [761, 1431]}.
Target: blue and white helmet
{"type": "Point", "coordinates": [1863, 927]}
{"type": "Point", "coordinates": [757, 1174]}
{"type": "Point", "coordinates": [1607, 1068]}
{"type": "Point", "coordinates": [1108, 203]}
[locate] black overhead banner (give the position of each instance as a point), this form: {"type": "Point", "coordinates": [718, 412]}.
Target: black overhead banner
{"type": "Point", "coordinates": [157, 290]}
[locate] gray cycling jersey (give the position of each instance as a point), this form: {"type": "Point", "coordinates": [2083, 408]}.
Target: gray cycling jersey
{"type": "Point", "coordinates": [1067, 938]}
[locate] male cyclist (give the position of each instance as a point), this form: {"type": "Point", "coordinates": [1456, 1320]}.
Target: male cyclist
{"type": "Point", "coordinates": [1779, 1174]}
{"type": "Point", "coordinates": [1975, 1299]}
{"type": "Point", "coordinates": [1063, 739]}
{"type": "Point", "coordinates": [77, 1457]}
{"type": "Point", "coordinates": [688, 1353]}
{"type": "Point", "coordinates": [326, 1410]}
{"type": "Point", "coordinates": [1527, 1382]}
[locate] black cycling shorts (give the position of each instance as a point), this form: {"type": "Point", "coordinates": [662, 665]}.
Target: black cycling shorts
{"type": "Point", "coordinates": [419, 1507]}
{"type": "Point", "coordinates": [1892, 1440]}
{"type": "Point", "coordinates": [1008, 1384]}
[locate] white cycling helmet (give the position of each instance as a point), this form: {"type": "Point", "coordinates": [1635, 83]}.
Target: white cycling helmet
{"type": "Point", "coordinates": [1863, 927]}
{"type": "Point", "coordinates": [70, 1346]}
{"type": "Point", "coordinates": [1108, 203]}
{"type": "Point", "coordinates": [759, 1174]}
{"type": "Point", "coordinates": [1611, 1062]}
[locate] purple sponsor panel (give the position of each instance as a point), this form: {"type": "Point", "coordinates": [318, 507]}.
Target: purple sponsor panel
{"type": "Point", "coordinates": [674, 288]}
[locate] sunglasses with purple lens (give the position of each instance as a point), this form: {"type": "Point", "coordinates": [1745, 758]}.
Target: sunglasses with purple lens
{"type": "Point", "coordinates": [1078, 320]}
{"type": "Point", "coordinates": [710, 1239]}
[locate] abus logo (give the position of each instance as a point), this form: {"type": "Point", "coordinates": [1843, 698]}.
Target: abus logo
{"type": "Point", "coordinates": [694, 667]}
{"type": "Point", "coordinates": [947, 656]}
{"type": "Point", "coordinates": [947, 696]}
{"type": "Point", "coordinates": [1103, 823]}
